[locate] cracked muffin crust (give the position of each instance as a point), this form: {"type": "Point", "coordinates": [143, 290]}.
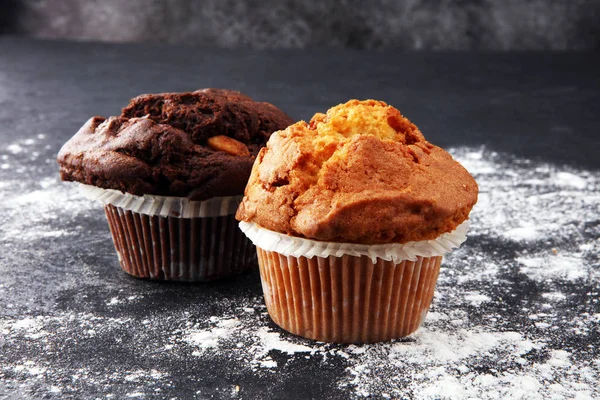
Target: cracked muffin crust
{"type": "Point", "coordinates": [361, 173]}
{"type": "Point", "coordinates": [197, 145]}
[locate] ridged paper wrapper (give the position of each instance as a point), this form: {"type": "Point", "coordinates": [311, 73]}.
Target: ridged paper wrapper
{"type": "Point", "coordinates": [174, 238]}
{"type": "Point", "coordinates": [345, 292]}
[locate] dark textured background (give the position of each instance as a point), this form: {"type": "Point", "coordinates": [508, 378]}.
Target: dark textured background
{"type": "Point", "coordinates": [73, 326]}
{"type": "Point", "coordinates": [403, 24]}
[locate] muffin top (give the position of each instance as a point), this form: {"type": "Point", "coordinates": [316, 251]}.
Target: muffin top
{"type": "Point", "coordinates": [197, 144]}
{"type": "Point", "coordinates": [362, 173]}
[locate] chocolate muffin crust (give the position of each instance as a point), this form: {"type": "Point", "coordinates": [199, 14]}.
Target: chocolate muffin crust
{"type": "Point", "coordinates": [362, 173]}
{"type": "Point", "coordinates": [212, 112]}
{"type": "Point", "coordinates": [160, 144]}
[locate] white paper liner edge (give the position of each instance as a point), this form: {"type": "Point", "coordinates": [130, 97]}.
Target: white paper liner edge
{"type": "Point", "coordinates": [396, 252]}
{"type": "Point", "coordinates": [164, 206]}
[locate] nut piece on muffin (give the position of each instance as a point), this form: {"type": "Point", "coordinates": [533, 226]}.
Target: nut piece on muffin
{"type": "Point", "coordinates": [359, 183]}
{"type": "Point", "coordinates": [171, 170]}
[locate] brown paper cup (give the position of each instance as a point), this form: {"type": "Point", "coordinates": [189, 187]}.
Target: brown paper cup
{"type": "Point", "coordinates": [347, 299]}
{"type": "Point", "coordinates": [179, 249]}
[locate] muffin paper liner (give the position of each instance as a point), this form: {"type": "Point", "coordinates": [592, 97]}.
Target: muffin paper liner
{"type": "Point", "coordinates": [163, 206]}
{"type": "Point", "coordinates": [347, 299]}
{"type": "Point", "coordinates": [345, 292]}
{"type": "Point", "coordinates": [184, 249]}
{"type": "Point", "coordinates": [156, 238]}
{"type": "Point", "coordinates": [396, 252]}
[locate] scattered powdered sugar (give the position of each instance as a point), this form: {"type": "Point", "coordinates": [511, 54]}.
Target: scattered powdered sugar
{"type": "Point", "coordinates": [516, 312]}
{"type": "Point", "coordinates": [46, 332]}
{"type": "Point", "coordinates": [548, 267]}
{"type": "Point", "coordinates": [37, 201]}
{"type": "Point", "coordinates": [39, 209]}
{"type": "Point", "coordinates": [438, 364]}
{"type": "Point", "coordinates": [524, 232]}
{"type": "Point", "coordinates": [14, 148]}
{"type": "Point", "coordinates": [272, 341]}
{"type": "Point", "coordinates": [211, 337]}
{"type": "Point", "coordinates": [240, 338]}
{"type": "Point", "coordinates": [569, 179]}
{"type": "Point", "coordinates": [476, 299]}
{"type": "Point", "coordinates": [554, 296]}
{"type": "Point", "coordinates": [454, 347]}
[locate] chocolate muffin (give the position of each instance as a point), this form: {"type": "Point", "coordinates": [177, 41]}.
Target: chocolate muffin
{"type": "Point", "coordinates": [171, 170]}
{"type": "Point", "coordinates": [351, 214]}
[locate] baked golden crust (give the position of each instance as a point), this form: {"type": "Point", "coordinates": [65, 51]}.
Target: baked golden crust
{"type": "Point", "coordinates": [362, 173]}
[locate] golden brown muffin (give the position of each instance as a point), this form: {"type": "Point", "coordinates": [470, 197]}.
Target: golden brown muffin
{"type": "Point", "coordinates": [362, 173]}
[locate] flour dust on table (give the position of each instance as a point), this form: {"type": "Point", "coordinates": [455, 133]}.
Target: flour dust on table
{"type": "Point", "coordinates": [516, 312]}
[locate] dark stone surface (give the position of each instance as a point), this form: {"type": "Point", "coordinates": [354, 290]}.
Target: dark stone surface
{"type": "Point", "coordinates": [540, 106]}
{"type": "Point", "coordinates": [72, 325]}
{"type": "Point", "coordinates": [420, 24]}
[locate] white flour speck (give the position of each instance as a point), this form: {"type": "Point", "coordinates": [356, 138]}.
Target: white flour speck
{"type": "Point", "coordinates": [210, 338]}
{"type": "Point", "coordinates": [14, 148]}
{"type": "Point", "coordinates": [524, 232]}
{"type": "Point", "coordinates": [113, 301]}
{"type": "Point", "coordinates": [541, 268]}
{"type": "Point", "coordinates": [268, 364]}
{"type": "Point", "coordinates": [556, 296]}
{"type": "Point", "coordinates": [570, 179]}
{"type": "Point", "coordinates": [272, 341]}
{"type": "Point", "coordinates": [476, 299]}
